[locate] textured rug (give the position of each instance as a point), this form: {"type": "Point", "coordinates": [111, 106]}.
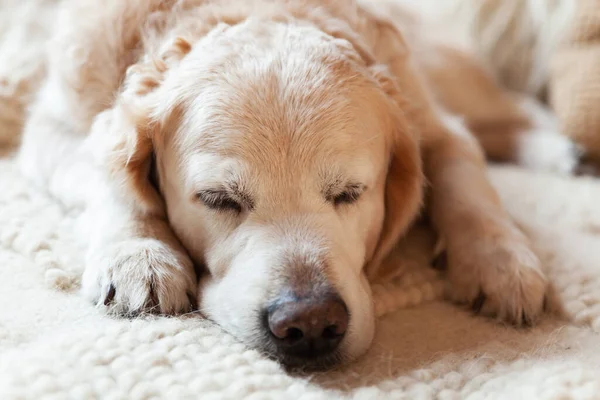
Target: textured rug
{"type": "Point", "coordinates": [54, 345]}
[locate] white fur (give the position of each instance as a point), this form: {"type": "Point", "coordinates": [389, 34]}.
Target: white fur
{"type": "Point", "coordinates": [543, 147]}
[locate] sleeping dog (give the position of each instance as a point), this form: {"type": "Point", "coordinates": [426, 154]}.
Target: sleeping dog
{"type": "Point", "coordinates": [258, 159]}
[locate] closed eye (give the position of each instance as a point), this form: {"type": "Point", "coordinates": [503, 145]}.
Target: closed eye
{"type": "Point", "coordinates": [349, 194]}
{"type": "Point", "coordinates": [219, 200]}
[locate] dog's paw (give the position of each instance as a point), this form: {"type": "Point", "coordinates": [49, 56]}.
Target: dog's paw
{"type": "Point", "coordinates": [140, 276]}
{"type": "Point", "coordinates": [501, 279]}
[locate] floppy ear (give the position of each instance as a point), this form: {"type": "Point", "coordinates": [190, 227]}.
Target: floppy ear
{"type": "Point", "coordinates": [404, 183]}
{"type": "Point", "coordinates": [135, 128]}
{"type": "Point", "coordinates": [405, 180]}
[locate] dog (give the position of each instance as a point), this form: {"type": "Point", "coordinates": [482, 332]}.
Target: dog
{"type": "Point", "coordinates": [257, 160]}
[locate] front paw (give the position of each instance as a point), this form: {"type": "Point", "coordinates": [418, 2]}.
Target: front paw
{"type": "Point", "coordinates": [140, 275]}
{"type": "Point", "coordinates": [499, 278]}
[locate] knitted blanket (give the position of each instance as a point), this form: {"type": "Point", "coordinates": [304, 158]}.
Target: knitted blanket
{"type": "Point", "coordinates": [54, 345]}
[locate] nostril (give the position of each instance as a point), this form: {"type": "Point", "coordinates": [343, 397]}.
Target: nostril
{"type": "Point", "coordinates": [293, 335]}
{"type": "Point", "coordinates": [331, 333]}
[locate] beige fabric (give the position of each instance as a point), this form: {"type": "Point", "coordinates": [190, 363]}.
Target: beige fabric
{"type": "Point", "coordinates": [575, 80]}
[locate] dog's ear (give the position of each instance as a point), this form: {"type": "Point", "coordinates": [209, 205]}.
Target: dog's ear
{"type": "Point", "coordinates": [349, 30]}
{"type": "Point", "coordinates": [135, 127]}
{"type": "Point", "coordinates": [404, 182]}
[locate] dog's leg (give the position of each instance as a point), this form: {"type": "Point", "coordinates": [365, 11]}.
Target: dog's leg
{"type": "Point", "coordinates": [134, 262]}
{"type": "Point", "coordinates": [490, 264]}
{"type": "Point", "coordinates": [510, 127]}
{"type": "Point", "coordinates": [532, 139]}
{"type": "Point", "coordinates": [93, 45]}
{"type": "Point", "coordinates": [50, 154]}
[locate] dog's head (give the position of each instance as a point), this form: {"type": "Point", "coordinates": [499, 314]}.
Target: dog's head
{"type": "Point", "coordinates": [286, 167]}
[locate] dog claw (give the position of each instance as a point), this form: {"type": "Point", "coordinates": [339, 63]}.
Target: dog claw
{"type": "Point", "coordinates": [440, 262]}
{"type": "Point", "coordinates": [192, 300]}
{"type": "Point", "coordinates": [478, 302]}
{"type": "Point", "coordinates": [526, 321]}
{"type": "Point", "coordinates": [110, 295]}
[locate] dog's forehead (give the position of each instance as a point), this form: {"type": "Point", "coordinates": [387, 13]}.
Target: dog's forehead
{"type": "Point", "coordinates": [289, 133]}
{"type": "Point", "coordinates": [295, 108]}
{"type": "Point", "coordinates": [298, 111]}
{"type": "Point", "coordinates": [285, 135]}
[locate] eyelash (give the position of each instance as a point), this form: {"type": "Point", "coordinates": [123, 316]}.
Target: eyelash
{"type": "Point", "coordinates": [219, 201]}
{"type": "Point", "coordinates": [348, 196]}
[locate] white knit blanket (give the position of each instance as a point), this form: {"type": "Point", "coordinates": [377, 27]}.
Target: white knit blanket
{"type": "Point", "coordinates": [54, 345]}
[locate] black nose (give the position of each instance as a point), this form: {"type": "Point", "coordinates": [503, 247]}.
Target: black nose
{"type": "Point", "coordinates": [309, 327]}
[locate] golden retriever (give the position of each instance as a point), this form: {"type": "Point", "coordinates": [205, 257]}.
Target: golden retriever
{"type": "Point", "coordinates": [259, 159]}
